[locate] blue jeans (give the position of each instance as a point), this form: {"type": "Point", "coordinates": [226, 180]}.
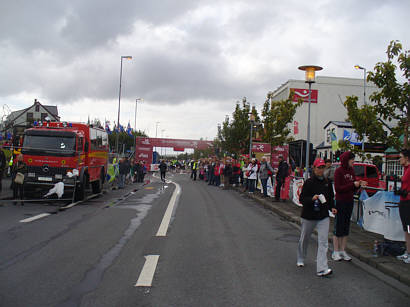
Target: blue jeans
{"type": "Point", "coordinates": [265, 186]}
{"type": "Point", "coordinates": [122, 180]}
{"type": "Point", "coordinates": [217, 180]}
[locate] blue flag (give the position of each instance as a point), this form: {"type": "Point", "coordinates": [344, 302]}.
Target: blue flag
{"type": "Point", "coordinates": [107, 128]}
{"type": "Point", "coordinates": [351, 137]}
{"type": "Point", "coordinates": [121, 128]}
{"type": "Point", "coordinates": [129, 130]}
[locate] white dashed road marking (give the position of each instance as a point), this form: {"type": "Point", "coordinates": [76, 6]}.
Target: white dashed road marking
{"type": "Point", "coordinates": [33, 218]}
{"type": "Point", "coordinates": [148, 271]}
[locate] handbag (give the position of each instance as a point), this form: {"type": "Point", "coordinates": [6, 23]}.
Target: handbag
{"type": "Point", "coordinates": [19, 178]}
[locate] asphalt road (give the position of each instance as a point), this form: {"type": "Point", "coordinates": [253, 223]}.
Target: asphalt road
{"type": "Point", "coordinates": [220, 249]}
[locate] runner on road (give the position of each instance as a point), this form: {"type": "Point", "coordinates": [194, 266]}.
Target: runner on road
{"type": "Point", "coordinates": [163, 170]}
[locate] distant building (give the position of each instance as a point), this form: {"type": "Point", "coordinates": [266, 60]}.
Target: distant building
{"type": "Point", "coordinates": [328, 95]}
{"type": "Point", "coordinates": [337, 128]}
{"type": "Point", "coordinates": [17, 121]}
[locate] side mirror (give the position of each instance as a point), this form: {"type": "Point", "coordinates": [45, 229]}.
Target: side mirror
{"type": "Point", "coordinates": [86, 147]}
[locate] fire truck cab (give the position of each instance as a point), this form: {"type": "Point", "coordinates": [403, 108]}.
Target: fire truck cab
{"type": "Point", "coordinates": [73, 153]}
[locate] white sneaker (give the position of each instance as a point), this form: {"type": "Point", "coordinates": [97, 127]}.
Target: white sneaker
{"type": "Point", "coordinates": [336, 256]}
{"type": "Point", "coordinates": [406, 260]}
{"type": "Point", "coordinates": [404, 256]}
{"type": "Point", "coordinates": [345, 256]}
{"type": "Point", "coordinates": [300, 264]}
{"type": "Point", "coordinates": [324, 273]}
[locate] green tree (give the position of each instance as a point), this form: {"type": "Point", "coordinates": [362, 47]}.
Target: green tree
{"type": "Point", "coordinates": [124, 138]}
{"type": "Point", "coordinates": [233, 135]}
{"type": "Point", "coordinates": [276, 117]}
{"type": "Point", "coordinates": [390, 107]}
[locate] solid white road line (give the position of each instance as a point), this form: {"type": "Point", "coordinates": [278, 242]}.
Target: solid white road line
{"type": "Point", "coordinates": [33, 218]}
{"type": "Point", "coordinates": [163, 228]}
{"type": "Point", "coordinates": [148, 271]}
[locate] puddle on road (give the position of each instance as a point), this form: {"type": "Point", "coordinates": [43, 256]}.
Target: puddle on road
{"type": "Point", "coordinates": [95, 275]}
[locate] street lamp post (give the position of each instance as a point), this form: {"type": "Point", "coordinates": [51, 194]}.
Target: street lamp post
{"type": "Point", "coordinates": [252, 117]}
{"type": "Point", "coordinates": [364, 90]}
{"type": "Point", "coordinates": [135, 125]}
{"type": "Point", "coordinates": [156, 134]}
{"type": "Point", "coordinates": [119, 102]}
{"type": "Point", "coordinates": [364, 81]}
{"type": "Point", "coordinates": [162, 136]}
{"type": "Point", "coordinates": [309, 78]}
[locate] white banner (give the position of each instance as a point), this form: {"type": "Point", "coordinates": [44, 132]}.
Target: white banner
{"type": "Point", "coordinates": [297, 190]}
{"type": "Point", "coordinates": [381, 215]}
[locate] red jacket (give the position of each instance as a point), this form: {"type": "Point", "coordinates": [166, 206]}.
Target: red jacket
{"type": "Point", "coordinates": [405, 183]}
{"type": "Point", "coordinates": [344, 179]}
{"type": "Point", "coordinates": [217, 170]}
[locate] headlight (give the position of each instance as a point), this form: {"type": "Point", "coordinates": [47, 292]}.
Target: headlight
{"type": "Point", "coordinates": [31, 175]}
{"type": "Point", "coordinates": [59, 176]}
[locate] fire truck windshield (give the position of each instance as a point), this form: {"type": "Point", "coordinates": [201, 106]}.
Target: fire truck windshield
{"type": "Point", "coordinates": [49, 143]}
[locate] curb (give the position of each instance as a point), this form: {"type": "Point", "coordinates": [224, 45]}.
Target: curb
{"type": "Point", "coordinates": [353, 249]}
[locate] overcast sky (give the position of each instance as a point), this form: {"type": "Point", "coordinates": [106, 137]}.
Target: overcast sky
{"type": "Point", "coordinates": [192, 59]}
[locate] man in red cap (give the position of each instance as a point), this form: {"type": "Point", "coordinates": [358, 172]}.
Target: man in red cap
{"type": "Point", "coordinates": [317, 199]}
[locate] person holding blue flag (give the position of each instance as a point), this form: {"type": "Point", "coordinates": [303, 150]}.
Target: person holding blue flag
{"type": "Point", "coordinates": [404, 206]}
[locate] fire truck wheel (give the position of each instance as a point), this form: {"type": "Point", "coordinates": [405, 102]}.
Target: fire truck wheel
{"type": "Point", "coordinates": [96, 186]}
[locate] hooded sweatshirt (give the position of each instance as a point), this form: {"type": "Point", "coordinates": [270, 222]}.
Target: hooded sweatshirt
{"type": "Point", "coordinates": [344, 179]}
{"type": "Point", "coordinates": [405, 183]}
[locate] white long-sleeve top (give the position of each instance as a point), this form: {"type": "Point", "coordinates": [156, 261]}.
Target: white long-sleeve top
{"type": "Point", "coordinates": [253, 169]}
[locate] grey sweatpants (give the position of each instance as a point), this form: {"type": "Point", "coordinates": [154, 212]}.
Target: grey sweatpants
{"type": "Point", "coordinates": [323, 232]}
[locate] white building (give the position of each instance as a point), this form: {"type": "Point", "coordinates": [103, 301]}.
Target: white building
{"type": "Point", "coordinates": [328, 95]}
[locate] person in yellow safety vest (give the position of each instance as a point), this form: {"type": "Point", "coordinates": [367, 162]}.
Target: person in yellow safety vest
{"type": "Point", "coordinates": [194, 168]}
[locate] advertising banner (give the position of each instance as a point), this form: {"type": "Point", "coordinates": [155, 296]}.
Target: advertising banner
{"type": "Point", "coordinates": [301, 93]}
{"type": "Point", "coordinates": [154, 167]}
{"type": "Point", "coordinates": [352, 137]}
{"type": "Point", "coordinates": [261, 147]}
{"type": "Point", "coordinates": [381, 215]}
{"type": "Point", "coordinates": [279, 151]}
{"type": "Point", "coordinates": [297, 190]}
{"type": "Point", "coordinates": [144, 153]}
{"type": "Point", "coordinates": [295, 127]}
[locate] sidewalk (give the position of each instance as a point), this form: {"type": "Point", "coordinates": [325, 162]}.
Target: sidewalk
{"type": "Point", "coordinates": [360, 243]}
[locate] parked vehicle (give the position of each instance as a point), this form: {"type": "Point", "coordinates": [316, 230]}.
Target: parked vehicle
{"type": "Point", "coordinates": [367, 172]}
{"type": "Point", "coordinates": [73, 153]}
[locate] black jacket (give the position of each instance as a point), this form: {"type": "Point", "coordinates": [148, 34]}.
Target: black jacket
{"type": "Point", "coordinates": [227, 170]}
{"type": "Point", "coordinates": [163, 167]}
{"type": "Point", "coordinates": [3, 162]}
{"type": "Point", "coordinates": [315, 186]}
{"type": "Point", "coordinates": [283, 170]}
{"type": "Point", "coordinates": [124, 167]}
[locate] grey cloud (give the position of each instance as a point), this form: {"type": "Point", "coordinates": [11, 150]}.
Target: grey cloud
{"type": "Point", "coordinates": [69, 50]}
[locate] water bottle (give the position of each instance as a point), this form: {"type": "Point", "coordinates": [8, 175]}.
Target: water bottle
{"type": "Point", "coordinates": [316, 205]}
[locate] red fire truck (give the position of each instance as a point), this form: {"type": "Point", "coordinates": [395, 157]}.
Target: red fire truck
{"type": "Point", "coordinates": [73, 153]}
